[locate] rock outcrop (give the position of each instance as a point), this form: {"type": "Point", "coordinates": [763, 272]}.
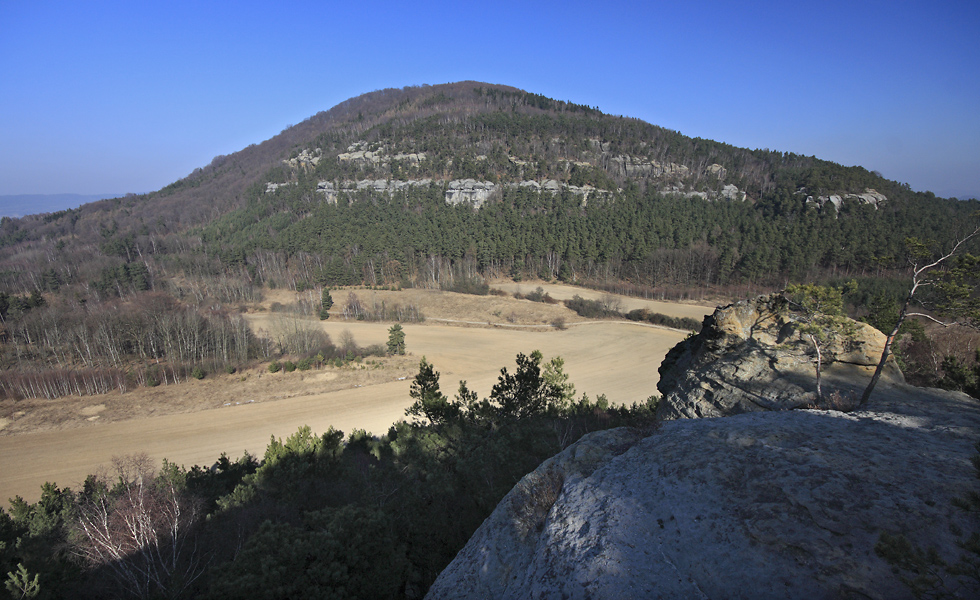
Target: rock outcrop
{"type": "Point", "coordinates": [270, 187]}
{"type": "Point", "coordinates": [783, 504]}
{"type": "Point", "coordinates": [360, 155]}
{"type": "Point", "coordinates": [763, 503]}
{"type": "Point", "coordinates": [749, 356]}
{"type": "Point", "coordinates": [870, 196]}
{"type": "Point", "coordinates": [717, 170]}
{"type": "Point", "coordinates": [727, 192]}
{"type": "Point", "coordinates": [469, 191]}
{"type": "Point", "coordinates": [371, 156]}
{"type": "Point", "coordinates": [458, 191]}
{"type": "Point", "coordinates": [330, 191]}
{"type": "Point", "coordinates": [631, 166]}
{"type": "Point", "coordinates": [306, 159]}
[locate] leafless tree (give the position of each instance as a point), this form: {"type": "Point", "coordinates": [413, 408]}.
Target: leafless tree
{"type": "Point", "coordinates": [141, 529]}
{"type": "Point", "coordinates": [924, 267]}
{"type": "Point", "coordinates": [353, 309]}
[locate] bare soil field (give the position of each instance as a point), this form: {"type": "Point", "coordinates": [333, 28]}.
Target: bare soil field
{"type": "Point", "coordinates": [466, 337]}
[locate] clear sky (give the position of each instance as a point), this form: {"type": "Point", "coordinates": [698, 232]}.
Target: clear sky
{"type": "Point", "coordinates": [116, 97]}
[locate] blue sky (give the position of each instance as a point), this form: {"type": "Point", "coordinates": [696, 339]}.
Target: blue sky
{"type": "Point", "coordinates": [117, 97]}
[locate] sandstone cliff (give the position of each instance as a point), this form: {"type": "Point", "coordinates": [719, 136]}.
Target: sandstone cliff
{"type": "Point", "coordinates": [749, 357]}
{"type": "Point", "coordinates": [762, 504]}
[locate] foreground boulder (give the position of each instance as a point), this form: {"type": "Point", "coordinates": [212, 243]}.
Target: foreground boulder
{"type": "Point", "coordinates": [760, 505]}
{"type": "Point", "coordinates": [749, 357]}
{"type": "Point", "coordinates": [767, 502]}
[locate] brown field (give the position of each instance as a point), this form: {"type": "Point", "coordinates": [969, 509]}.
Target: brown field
{"type": "Point", "coordinates": [466, 338]}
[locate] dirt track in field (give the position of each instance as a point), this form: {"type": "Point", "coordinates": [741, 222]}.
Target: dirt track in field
{"type": "Point", "coordinates": [194, 423]}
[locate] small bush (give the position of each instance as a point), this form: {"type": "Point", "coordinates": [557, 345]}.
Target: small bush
{"type": "Point", "coordinates": [230, 369]}
{"type": "Point", "coordinates": [274, 366]}
{"type": "Point", "coordinates": [153, 376]}
{"type": "Point", "coordinates": [305, 364]}
{"type": "Point", "coordinates": [591, 309]}
{"type": "Point", "coordinates": [374, 350]}
{"type": "Point", "coordinates": [198, 373]}
{"type": "Point", "coordinates": [538, 295]}
{"type": "Point", "coordinates": [467, 285]}
{"type": "Point", "coordinates": [642, 314]}
{"type": "Point", "coordinates": [288, 366]}
{"type": "Point", "coordinates": [558, 323]}
{"type": "Point", "coordinates": [382, 311]}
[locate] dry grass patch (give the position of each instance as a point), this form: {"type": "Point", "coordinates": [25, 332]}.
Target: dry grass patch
{"type": "Point", "coordinates": [566, 292]}
{"type": "Point", "coordinates": [216, 391]}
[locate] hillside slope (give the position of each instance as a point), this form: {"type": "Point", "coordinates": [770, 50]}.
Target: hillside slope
{"type": "Point", "coordinates": [371, 189]}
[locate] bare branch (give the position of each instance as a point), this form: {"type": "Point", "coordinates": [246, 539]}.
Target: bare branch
{"type": "Point", "coordinates": [140, 530]}
{"type": "Point", "coordinates": [932, 318]}
{"type": "Point", "coordinates": [918, 281]}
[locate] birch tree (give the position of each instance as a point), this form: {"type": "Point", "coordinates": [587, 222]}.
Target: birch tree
{"type": "Point", "coordinates": [140, 529]}
{"type": "Point", "coordinates": [928, 271]}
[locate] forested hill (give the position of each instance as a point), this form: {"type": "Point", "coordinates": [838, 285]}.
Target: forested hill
{"type": "Point", "coordinates": [427, 184]}
{"type": "Point", "coordinates": [434, 186]}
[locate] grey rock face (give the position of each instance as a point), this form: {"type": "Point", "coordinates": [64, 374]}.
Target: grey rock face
{"type": "Point", "coordinates": [630, 166]}
{"type": "Point", "coordinates": [360, 157]}
{"type": "Point", "coordinates": [413, 158]}
{"type": "Point", "coordinates": [330, 191]}
{"type": "Point", "coordinates": [762, 505]}
{"type": "Point", "coordinates": [750, 357]}
{"type": "Point", "coordinates": [470, 191]}
{"type": "Point", "coordinates": [870, 196]}
{"type": "Point", "coordinates": [731, 192]}
{"type": "Point", "coordinates": [504, 547]}
{"type": "Point", "coordinates": [305, 159]}
{"type": "Point", "coordinates": [458, 191]}
{"type": "Point", "coordinates": [717, 170]}
{"type": "Point", "coordinates": [728, 192]}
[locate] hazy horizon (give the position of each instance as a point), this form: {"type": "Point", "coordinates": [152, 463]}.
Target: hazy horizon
{"type": "Point", "coordinates": [21, 205]}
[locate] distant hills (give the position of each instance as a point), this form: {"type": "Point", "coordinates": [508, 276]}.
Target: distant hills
{"type": "Point", "coordinates": [20, 205]}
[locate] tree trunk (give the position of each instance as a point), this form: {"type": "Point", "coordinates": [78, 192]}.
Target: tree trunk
{"type": "Point", "coordinates": [819, 360]}
{"type": "Point", "coordinates": [886, 352]}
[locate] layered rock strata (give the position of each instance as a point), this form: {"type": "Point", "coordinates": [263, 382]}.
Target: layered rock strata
{"type": "Point", "coordinates": [750, 356]}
